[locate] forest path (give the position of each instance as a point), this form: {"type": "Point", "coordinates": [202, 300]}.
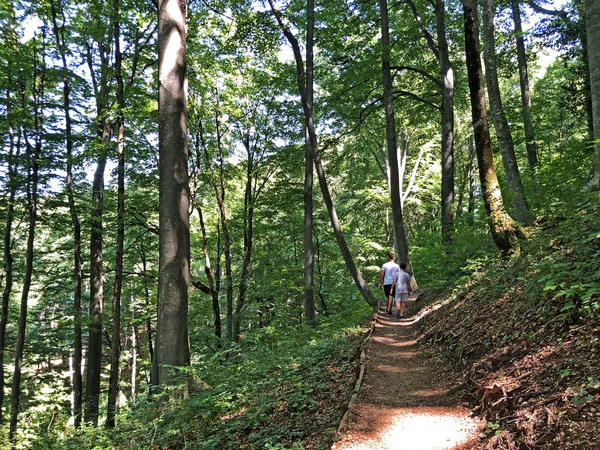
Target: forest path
{"type": "Point", "coordinates": [404, 403]}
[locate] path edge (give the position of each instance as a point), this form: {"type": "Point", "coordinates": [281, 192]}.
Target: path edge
{"type": "Point", "coordinates": [363, 359]}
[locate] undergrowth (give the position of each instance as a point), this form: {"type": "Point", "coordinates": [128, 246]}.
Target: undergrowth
{"type": "Point", "coordinates": [282, 388]}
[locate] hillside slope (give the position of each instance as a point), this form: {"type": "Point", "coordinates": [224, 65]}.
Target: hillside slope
{"type": "Point", "coordinates": [520, 338]}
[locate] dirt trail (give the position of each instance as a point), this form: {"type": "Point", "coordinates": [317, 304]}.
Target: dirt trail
{"type": "Point", "coordinates": [404, 402]}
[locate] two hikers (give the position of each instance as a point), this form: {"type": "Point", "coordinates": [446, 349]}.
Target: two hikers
{"type": "Point", "coordinates": [396, 284]}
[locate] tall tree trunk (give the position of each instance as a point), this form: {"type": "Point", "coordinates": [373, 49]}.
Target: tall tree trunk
{"type": "Point", "coordinates": [153, 371]}
{"type": "Point", "coordinates": [309, 256]}
{"type": "Point", "coordinates": [8, 259]}
{"type": "Point", "coordinates": [447, 85]}
{"type": "Point", "coordinates": [532, 158]}
{"type": "Point", "coordinates": [94, 352]}
{"type": "Point", "coordinates": [592, 19]}
{"type": "Point", "coordinates": [115, 349]}
{"type": "Point", "coordinates": [390, 131]}
{"type": "Point", "coordinates": [134, 350]}
{"type": "Point", "coordinates": [214, 292]}
{"type": "Point", "coordinates": [308, 117]}
{"type": "Point", "coordinates": [172, 343]}
{"type": "Point", "coordinates": [225, 226]}
{"type": "Point", "coordinates": [503, 229]}
{"type": "Point", "coordinates": [219, 189]}
{"type": "Point", "coordinates": [33, 157]}
{"type": "Point", "coordinates": [471, 204]}
{"type": "Point", "coordinates": [248, 232]}
{"type": "Point", "coordinates": [77, 261]}
{"type": "Point", "coordinates": [505, 141]}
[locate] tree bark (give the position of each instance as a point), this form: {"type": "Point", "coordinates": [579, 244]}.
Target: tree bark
{"type": "Point", "coordinates": [447, 85]}
{"type": "Point", "coordinates": [212, 285]}
{"type": "Point", "coordinates": [309, 288]}
{"type": "Point", "coordinates": [33, 157]}
{"type": "Point", "coordinates": [505, 141]}
{"type": "Point", "coordinates": [308, 117]}
{"type": "Point", "coordinates": [115, 349]}
{"type": "Point", "coordinates": [471, 204]}
{"type": "Point", "coordinates": [532, 158]}
{"type": "Point", "coordinates": [172, 342]}
{"type": "Point", "coordinates": [390, 131]}
{"type": "Point", "coordinates": [77, 260]}
{"type": "Point", "coordinates": [12, 161]}
{"type": "Point", "coordinates": [248, 232]}
{"type": "Point", "coordinates": [502, 227]}
{"type": "Point", "coordinates": [592, 19]}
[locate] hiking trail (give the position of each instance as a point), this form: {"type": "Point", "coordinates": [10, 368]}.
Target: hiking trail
{"type": "Point", "coordinates": [404, 401]}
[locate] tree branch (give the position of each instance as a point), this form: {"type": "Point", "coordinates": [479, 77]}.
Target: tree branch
{"type": "Point", "coordinates": [430, 41]}
{"type": "Point", "coordinates": [421, 71]}
{"type": "Point", "coordinates": [551, 12]}
{"type": "Point", "coordinates": [416, 97]}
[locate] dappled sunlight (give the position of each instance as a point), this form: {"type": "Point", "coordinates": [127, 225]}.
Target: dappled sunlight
{"type": "Point", "coordinates": [410, 320]}
{"type": "Point", "coordinates": [429, 428]}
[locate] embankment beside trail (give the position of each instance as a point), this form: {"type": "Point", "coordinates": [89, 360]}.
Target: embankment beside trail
{"type": "Point", "coordinates": [520, 340]}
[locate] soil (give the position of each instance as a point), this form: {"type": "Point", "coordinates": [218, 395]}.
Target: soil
{"type": "Point", "coordinates": [405, 401]}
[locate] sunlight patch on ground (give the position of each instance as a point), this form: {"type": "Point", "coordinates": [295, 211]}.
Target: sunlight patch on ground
{"type": "Point", "coordinates": [418, 429]}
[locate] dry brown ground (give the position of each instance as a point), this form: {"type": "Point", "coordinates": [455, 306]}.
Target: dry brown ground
{"type": "Point", "coordinates": [404, 402]}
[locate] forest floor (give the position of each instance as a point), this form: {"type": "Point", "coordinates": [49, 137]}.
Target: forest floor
{"type": "Point", "coordinates": [405, 401]}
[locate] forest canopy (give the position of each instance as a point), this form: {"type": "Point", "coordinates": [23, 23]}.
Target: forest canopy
{"type": "Point", "coordinates": [197, 196]}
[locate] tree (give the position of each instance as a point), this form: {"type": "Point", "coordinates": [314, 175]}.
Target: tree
{"type": "Point", "coordinates": [505, 141]}
{"type": "Point", "coordinates": [115, 349]}
{"type": "Point", "coordinates": [390, 127]}
{"type": "Point", "coordinates": [33, 153]}
{"type": "Point", "coordinates": [446, 85]}
{"type": "Point", "coordinates": [309, 291]}
{"type": "Point", "coordinates": [592, 18]}
{"type": "Point", "coordinates": [307, 108]}
{"type": "Point", "coordinates": [59, 33]}
{"type": "Point", "coordinates": [172, 343]}
{"type": "Point", "coordinates": [532, 158]}
{"type": "Point", "coordinates": [503, 228]}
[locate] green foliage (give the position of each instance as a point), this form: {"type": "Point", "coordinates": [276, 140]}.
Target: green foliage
{"type": "Point", "coordinates": [250, 396]}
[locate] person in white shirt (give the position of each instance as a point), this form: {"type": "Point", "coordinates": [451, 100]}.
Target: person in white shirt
{"type": "Point", "coordinates": [389, 272]}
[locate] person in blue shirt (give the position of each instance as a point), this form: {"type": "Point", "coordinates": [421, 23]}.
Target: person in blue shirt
{"type": "Point", "coordinates": [402, 288]}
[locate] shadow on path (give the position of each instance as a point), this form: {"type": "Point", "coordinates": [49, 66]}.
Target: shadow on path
{"type": "Point", "coordinates": [404, 402]}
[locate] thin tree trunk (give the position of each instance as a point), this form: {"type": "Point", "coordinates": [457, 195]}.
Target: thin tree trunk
{"type": "Point", "coordinates": [447, 84]}
{"type": "Point", "coordinates": [172, 342]}
{"type": "Point", "coordinates": [33, 156]}
{"type": "Point", "coordinates": [248, 232]}
{"type": "Point", "coordinates": [504, 230]}
{"type": "Point", "coordinates": [115, 349]}
{"type": "Point", "coordinates": [592, 18]}
{"type": "Point", "coordinates": [309, 288]}
{"type": "Point", "coordinates": [77, 261]}
{"type": "Point", "coordinates": [390, 131]}
{"type": "Point", "coordinates": [94, 352]}
{"type": "Point", "coordinates": [153, 371]}
{"type": "Point", "coordinates": [13, 165]}
{"type": "Point", "coordinates": [505, 141]}
{"type": "Point", "coordinates": [134, 347]}
{"type": "Point", "coordinates": [524, 83]}
{"type": "Point", "coordinates": [219, 189]}
{"type": "Point", "coordinates": [471, 204]}
{"type": "Point", "coordinates": [307, 108]}
{"type": "Point", "coordinates": [207, 265]}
